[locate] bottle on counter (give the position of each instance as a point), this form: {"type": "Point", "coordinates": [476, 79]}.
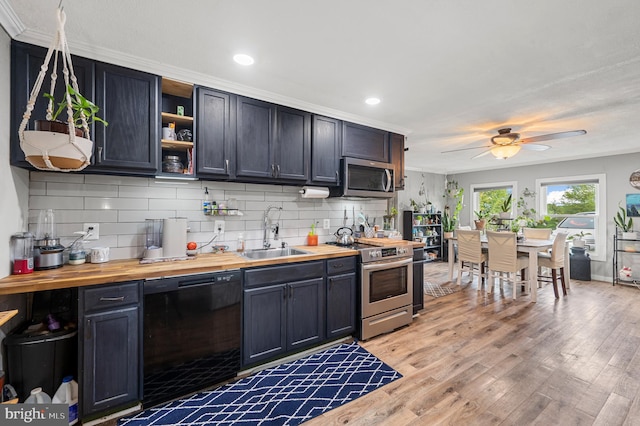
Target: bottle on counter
{"type": "Point", "coordinates": [240, 247]}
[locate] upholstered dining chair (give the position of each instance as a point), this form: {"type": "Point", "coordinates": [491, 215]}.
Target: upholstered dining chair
{"type": "Point", "coordinates": [554, 261]}
{"type": "Point", "coordinates": [537, 233]}
{"type": "Point", "coordinates": [504, 260]}
{"type": "Point", "coordinates": [470, 253]}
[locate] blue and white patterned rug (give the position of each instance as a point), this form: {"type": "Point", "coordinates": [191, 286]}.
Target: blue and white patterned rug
{"type": "Point", "coordinates": [288, 394]}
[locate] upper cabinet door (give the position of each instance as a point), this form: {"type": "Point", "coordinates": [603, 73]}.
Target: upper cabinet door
{"type": "Point", "coordinates": [293, 144]}
{"type": "Point", "coordinates": [365, 142]}
{"type": "Point", "coordinates": [326, 148]}
{"type": "Point", "coordinates": [215, 133]}
{"type": "Point", "coordinates": [26, 60]}
{"type": "Point", "coordinates": [255, 134]}
{"type": "Point", "coordinates": [128, 100]}
{"type": "Point", "coordinates": [397, 158]}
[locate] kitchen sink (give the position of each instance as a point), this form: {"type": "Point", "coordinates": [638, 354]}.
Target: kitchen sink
{"type": "Point", "coordinates": [272, 252]}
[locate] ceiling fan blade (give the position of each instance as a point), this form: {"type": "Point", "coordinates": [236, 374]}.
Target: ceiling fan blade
{"type": "Point", "coordinates": [465, 149]}
{"type": "Point", "coordinates": [482, 154]}
{"type": "Point", "coordinates": [552, 136]}
{"type": "Point", "coordinates": [535, 147]}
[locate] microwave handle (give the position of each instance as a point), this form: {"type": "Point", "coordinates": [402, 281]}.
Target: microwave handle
{"type": "Point", "coordinates": [387, 185]}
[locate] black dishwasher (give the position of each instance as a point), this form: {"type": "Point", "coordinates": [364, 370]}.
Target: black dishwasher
{"type": "Point", "coordinates": [192, 330]}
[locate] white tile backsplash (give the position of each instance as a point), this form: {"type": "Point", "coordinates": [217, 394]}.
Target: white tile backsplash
{"type": "Point", "coordinates": [121, 204]}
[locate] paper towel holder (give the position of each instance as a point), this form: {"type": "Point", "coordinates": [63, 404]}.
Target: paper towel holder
{"type": "Point", "coordinates": [314, 192]}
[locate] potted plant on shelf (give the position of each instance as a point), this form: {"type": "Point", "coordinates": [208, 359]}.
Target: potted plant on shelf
{"type": "Point", "coordinates": [624, 223]}
{"type": "Point", "coordinates": [505, 208]}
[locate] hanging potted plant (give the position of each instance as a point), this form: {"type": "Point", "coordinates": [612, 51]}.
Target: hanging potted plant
{"type": "Point", "coordinates": [55, 145]}
{"type": "Point", "coordinates": [624, 223]}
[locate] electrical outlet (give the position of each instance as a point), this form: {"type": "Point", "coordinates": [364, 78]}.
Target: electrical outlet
{"type": "Point", "coordinates": [218, 228]}
{"type": "Point", "coordinates": [92, 230]}
{"type": "Point", "coordinates": [326, 224]}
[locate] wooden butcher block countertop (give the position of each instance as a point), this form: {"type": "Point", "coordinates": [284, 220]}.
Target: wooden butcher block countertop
{"type": "Point", "coordinates": [131, 269]}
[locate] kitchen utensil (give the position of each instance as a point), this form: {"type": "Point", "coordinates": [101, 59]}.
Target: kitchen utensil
{"type": "Point", "coordinates": [344, 236]}
{"type": "Point", "coordinates": [353, 225]}
{"type": "Point", "coordinates": [22, 253]}
{"type": "Point", "coordinates": [47, 250]}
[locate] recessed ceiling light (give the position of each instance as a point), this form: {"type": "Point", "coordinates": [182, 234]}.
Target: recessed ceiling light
{"type": "Point", "coordinates": [243, 59]}
{"type": "Point", "coordinates": [372, 101]}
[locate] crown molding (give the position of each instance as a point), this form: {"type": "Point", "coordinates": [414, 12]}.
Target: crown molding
{"type": "Point", "coordinates": [9, 20]}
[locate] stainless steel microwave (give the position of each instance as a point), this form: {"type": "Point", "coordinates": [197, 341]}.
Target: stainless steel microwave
{"type": "Point", "coordinates": [366, 178]}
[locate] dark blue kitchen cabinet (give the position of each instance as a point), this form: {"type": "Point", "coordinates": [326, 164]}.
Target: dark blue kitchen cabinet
{"type": "Point", "coordinates": [215, 133]}
{"type": "Point", "coordinates": [284, 308]}
{"type": "Point", "coordinates": [365, 142]}
{"type": "Point", "coordinates": [341, 297]}
{"type": "Point", "coordinates": [26, 60]}
{"type": "Point", "coordinates": [110, 345]}
{"type": "Point", "coordinates": [326, 150]}
{"type": "Point", "coordinates": [129, 102]}
{"type": "Point", "coordinates": [273, 143]}
{"type": "Point", "coordinates": [397, 159]}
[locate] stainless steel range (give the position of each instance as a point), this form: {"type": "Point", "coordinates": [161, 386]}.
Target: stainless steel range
{"type": "Point", "coordinates": [386, 296]}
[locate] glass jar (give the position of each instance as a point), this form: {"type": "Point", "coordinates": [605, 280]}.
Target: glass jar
{"type": "Point", "coordinates": [172, 164]}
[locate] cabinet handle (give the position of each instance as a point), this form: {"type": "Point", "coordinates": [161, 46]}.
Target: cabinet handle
{"type": "Point", "coordinates": [226, 166]}
{"type": "Point", "coordinates": [290, 292]}
{"type": "Point", "coordinates": [273, 170]}
{"type": "Point", "coordinates": [278, 171]}
{"type": "Point", "coordinates": [112, 299]}
{"type": "Point", "coordinates": [284, 292]}
{"type": "Point", "coordinates": [330, 283]}
{"type": "Point", "coordinates": [338, 177]}
{"type": "Point", "coordinates": [87, 331]}
{"type": "Point", "coordinates": [99, 156]}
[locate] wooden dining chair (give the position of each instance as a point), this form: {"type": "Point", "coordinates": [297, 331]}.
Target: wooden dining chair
{"type": "Point", "coordinates": [554, 262]}
{"type": "Point", "coordinates": [470, 253]}
{"type": "Point", "coordinates": [537, 233]}
{"type": "Point", "coordinates": [504, 260]}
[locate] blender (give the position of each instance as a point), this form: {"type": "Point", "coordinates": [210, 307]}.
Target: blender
{"type": "Point", "coordinates": [22, 252]}
{"type": "Point", "coordinates": [47, 249]}
{"type": "Point", "coordinates": [153, 245]}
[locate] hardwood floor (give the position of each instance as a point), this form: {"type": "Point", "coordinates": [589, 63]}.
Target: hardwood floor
{"type": "Point", "coordinates": [473, 359]}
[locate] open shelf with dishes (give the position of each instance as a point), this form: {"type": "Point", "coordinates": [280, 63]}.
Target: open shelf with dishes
{"type": "Point", "coordinates": [425, 228]}
{"type": "Point", "coordinates": [177, 140]}
{"type": "Point", "coordinates": [624, 252]}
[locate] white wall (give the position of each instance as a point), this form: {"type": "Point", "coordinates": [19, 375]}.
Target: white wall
{"type": "Point", "coordinates": [616, 168]}
{"type": "Point", "coordinates": [121, 204]}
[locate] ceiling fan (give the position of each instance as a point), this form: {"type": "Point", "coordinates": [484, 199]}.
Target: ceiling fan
{"type": "Point", "coordinates": [506, 144]}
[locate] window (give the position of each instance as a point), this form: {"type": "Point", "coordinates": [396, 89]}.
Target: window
{"type": "Point", "coordinates": [576, 206]}
{"type": "Point", "coordinates": [490, 198]}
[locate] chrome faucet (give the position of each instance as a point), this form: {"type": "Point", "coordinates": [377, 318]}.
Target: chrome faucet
{"type": "Point", "coordinates": [267, 227]}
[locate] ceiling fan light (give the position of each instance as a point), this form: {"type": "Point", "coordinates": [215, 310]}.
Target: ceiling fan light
{"type": "Point", "coordinates": [505, 139]}
{"type": "Point", "coordinates": [503, 152]}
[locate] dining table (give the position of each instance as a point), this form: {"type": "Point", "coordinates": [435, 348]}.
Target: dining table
{"type": "Point", "coordinates": [529, 246]}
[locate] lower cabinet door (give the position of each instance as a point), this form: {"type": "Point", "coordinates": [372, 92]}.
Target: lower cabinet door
{"type": "Point", "coordinates": [110, 373]}
{"type": "Point", "coordinates": [264, 323]}
{"type": "Point", "coordinates": [341, 305]}
{"type": "Point", "coordinates": [305, 313]}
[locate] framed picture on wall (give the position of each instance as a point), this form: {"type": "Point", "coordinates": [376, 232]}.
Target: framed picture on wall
{"type": "Point", "coordinates": [633, 205]}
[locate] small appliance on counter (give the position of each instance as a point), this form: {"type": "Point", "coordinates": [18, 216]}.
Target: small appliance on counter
{"type": "Point", "coordinates": [153, 242]}
{"type": "Point", "coordinates": [47, 248]}
{"type": "Point", "coordinates": [166, 239]}
{"type": "Point", "coordinates": [22, 253]}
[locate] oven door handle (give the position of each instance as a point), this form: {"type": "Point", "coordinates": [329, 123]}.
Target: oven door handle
{"type": "Point", "coordinates": [386, 265]}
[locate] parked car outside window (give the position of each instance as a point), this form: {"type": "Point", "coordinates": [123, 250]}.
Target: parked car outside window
{"type": "Point", "coordinates": [574, 225]}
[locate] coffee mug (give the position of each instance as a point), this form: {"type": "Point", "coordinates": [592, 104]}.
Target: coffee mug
{"type": "Point", "coordinates": [99, 254]}
{"type": "Point", "coordinates": [168, 134]}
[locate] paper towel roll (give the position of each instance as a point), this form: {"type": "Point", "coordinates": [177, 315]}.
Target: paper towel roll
{"type": "Point", "coordinates": [174, 237]}
{"type": "Point", "coordinates": [314, 192]}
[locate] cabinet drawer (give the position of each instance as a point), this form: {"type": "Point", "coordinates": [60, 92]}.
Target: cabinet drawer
{"type": "Point", "coordinates": [341, 265]}
{"type": "Point", "coordinates": [103, 297]}
{"type": "Point", "coordinates": [283, 274]}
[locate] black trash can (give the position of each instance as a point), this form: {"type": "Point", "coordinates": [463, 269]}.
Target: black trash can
{"type": "Point", "coordinates": [41, 360]}
{"type": "Point", "coordinates": [579, 264]}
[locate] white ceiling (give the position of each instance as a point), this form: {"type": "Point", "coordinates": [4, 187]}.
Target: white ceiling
{"type": "Point", "coordinates": [449, 73]}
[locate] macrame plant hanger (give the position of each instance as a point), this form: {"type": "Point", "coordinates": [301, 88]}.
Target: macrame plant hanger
{"type": "Point", "coordinates": [42, 149]}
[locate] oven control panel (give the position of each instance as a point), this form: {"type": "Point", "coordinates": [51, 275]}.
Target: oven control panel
{"type": "Point", "coordinates": [384, 253]}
